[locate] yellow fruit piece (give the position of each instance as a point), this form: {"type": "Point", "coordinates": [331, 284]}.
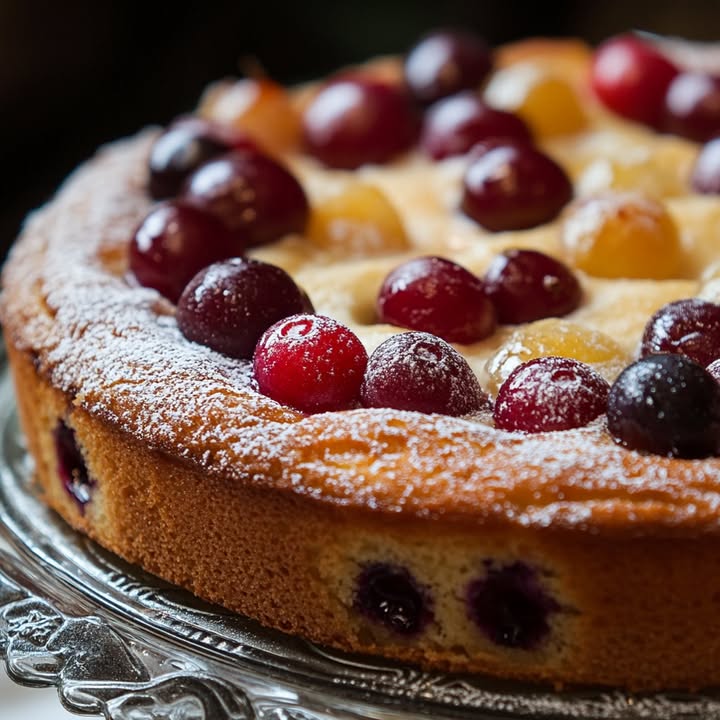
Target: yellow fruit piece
{"type": "Point", "coordinates": [560, 338]}
{"type": "Point", "coordinates": [259, 107]}
{"type": "Point", "coordinates": [547, 103]}
{"type": "Point", "coordinates": [622, 235]}
{"type": "Point", "coordinates": [356, 219]}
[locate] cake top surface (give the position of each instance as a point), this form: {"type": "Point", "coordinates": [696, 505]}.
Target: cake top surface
{"type": "Point", "coordinates": [70, 301]}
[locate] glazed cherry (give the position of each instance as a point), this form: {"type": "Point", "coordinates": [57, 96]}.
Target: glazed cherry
{"type": "Point", "coordinates": [690, 327]}
{"type": "Point", "coordinates": [550, 393]}
{"type": "Point", "coordinates": [419, 371]}
{"type": "Point", "coordinates": [692, 106]}
{"type": "Point", "coordinates": [510, 606]}
{"type": "Point", "coordinates": [182, 148]}
{"type": "Point", "coordinates": [357, 120]}
{"type": "Point", "coordinates": [667, 405]}
{"type": "Point", "coordinates": [390, 595]}
{"type": "Point", "coordinates": [631, 77]}
{"type": "Point", "coordinates": [444, 63]}
{"type": "Point", "coordinates": [71, 465]}
{"type": "Point", "coordinates": [229, 305]}
{"type": "Point", "coordinates": [705, 176]}
{"type": "Point", "coordinates": [454, 125]}
{"type": "Point", "coordinates": [513, 186]}
{"type": "Point", "coordinates": [527, 285]}
{"type": "Point", "coordinates": [310, 362]}
{"type": "Point", "coordinates": [438, 296]}
{"type": "Point", "coordinates": [255, 196]}
{"type": "Point", "coordinates": [174, 242]}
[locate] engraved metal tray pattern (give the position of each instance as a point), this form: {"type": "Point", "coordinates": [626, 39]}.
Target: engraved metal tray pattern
{"type": "Point", "coordinates": [121, 643]}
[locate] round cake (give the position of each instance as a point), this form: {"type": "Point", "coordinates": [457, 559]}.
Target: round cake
{"type": "Point", "coordinates": [419, 361]}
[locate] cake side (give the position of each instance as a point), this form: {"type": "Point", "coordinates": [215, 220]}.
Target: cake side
{"type": "Point", "coordinates": [299, 566]}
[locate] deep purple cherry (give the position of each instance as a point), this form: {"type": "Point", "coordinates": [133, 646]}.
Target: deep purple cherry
{"type": "Point", "coordinates": [446, 62]}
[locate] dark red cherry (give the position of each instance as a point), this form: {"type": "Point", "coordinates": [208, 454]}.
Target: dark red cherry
{"type": "Point", "coordinates": [631, 77]}
{"type": "Point", "coordinates": [527, 285]}
{"type": "Point", "coordinates": [174, 242]}
{"type": "Point", "coordinates": [446, 62]}
{"type": "Point", "coordinates": [510, 605]}
{"type": "Point", "coordinates": [71, 465]}
{"type": "Point", "coordinates": [705, 176]}
{"type": "Point", "coordinates": [667, 405]}
{"type": "Point", "coordinates": [511, 185]}
{"type": "Point", "coordinates": [390, 595]}
{"type": "Point", "coordinates": [454, 125]}
{"type": "Point", "coordinates": [183, 148]}
{"type": "Point", "coordinates": [230, 304]}
{"type": "Point", "coordinates": [357, 120]}
{"type": "Point", "coordinates": [254, 195]}
{"type": "Point", "coordinates": [310, 362]}
{"type": "Point", "coordinates": [438, 296]}
{"type": "Point", "coordinates": [419, 371]}
{"type": "Point", "coordinates": [689, 327]}
{"type": "Point", "coordinates": [550, 393]}
{"type": "Point", "coordinates": [692, 106]}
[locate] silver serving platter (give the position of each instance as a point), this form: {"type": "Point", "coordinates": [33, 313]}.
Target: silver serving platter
{"type": "Point", "coordinates": [121, 643]}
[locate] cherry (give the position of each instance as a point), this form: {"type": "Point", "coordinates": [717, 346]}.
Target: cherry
{"type": "Point", "coordinates": [550, 393]}
{"type": "Point", "coordinates": [173, 243]}
{"type": "Point", "coordinates": [705, 176]}
{"type": "Point", "coordinates": [513, 186]}
{"type": "Point", "coordinates": [390, 595]}
{"type": "Point", "coordinates": [631, 77]}
{"type": "Point", "coordinates": [71, 465]}
{"type": "Point", "coordinates": [357, 120]}
{"type": "Point", "coordinates": [184, 147]}
{"type": "Point", "coordinates": [454, 125]}
{"type": "Point", "coordinates": [510, 606]}
{"type": "Point", "coordinates": [229, 305]}
{"type": "Point", "coordinates": [692, 106]}
{"type": "Point", "coordinates": [255, 196]}
{"type": "Point", "coordinates": [419, 371]}
{"type": "Point", "coordinates": [438, 296]}
{"type": "Point", "coordinates": [446, 62]}
{"type": "Point", "coordinates": [527, 285]}
{"type": "Point", "coordinates": [310, 362]}
{"type": "Point", "coordinates": [667, 405]}
{"type": "Point", "coordinates": [690, 327]}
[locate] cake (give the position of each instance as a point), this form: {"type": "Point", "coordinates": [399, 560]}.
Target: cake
{"type": "Point", "coordinates": [420, 361]}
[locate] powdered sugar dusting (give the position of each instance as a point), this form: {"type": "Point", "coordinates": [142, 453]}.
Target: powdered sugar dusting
{"type": "Point", "coordinates": [116, 349]}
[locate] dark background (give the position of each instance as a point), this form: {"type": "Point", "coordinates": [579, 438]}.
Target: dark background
{"type": "Point", "coordinates": [75, 75]}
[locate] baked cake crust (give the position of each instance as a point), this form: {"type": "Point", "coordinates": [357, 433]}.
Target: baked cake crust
{"type": "Point", "coordinates": [206, 483]}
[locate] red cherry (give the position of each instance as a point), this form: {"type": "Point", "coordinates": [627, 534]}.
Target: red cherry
{"type": "Point", "coordinates": [255, 196]}
{"type": "Point", "coordinates": [692, 106]}
{"type": "Point", "coordinates": [550, 393]}
{"type": "Point", "coordinates": [357, 120]}
{"type": "Point", "coordinates": [446, 62]}
{"type": "Point", "coordinates": [454, 125]}
{"type": "Point", "coordinates": [310, 362]}
{"type": "Point", "coordinates": [174, 242]}
{"type": "Point", "coordinates": [229, 305]}
{"type": "Point", "coordinates": [631, 77]}
{"type": "Point", "coordinates": [527, 285]}
{"type": "Point", "coordinates": [419, 371]}
{"type": "Point", "coordinates": [438, 296]}
{"type": "Point", "coordinates": [511, 185]}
